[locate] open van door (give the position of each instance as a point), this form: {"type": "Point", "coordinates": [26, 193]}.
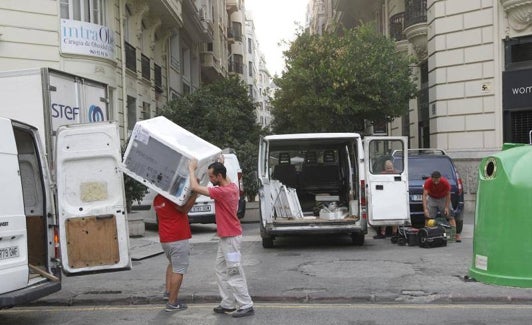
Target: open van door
{"type": "Point", "coordinates": [13, 233]}
{"type": "Point", "coordinates": [387, 180]}
{"type": "Point", "coordinates": [90, 198]}
{"type": "Point", "coordinates": [265, 199]}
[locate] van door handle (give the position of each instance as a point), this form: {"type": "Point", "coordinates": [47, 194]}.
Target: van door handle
{"type": "Point", "coordinates": [379, 187]}
{"type": "Point", "coordinates": [397, 178]}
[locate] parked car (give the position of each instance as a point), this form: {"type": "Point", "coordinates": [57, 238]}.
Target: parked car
{"type": "Point", "coordinates": [421, 164]}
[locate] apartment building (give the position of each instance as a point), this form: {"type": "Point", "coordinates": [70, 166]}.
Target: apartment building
{"type": "Point", "coordinates": [474, 66]}
{"type": "Point", "coordinates": [145, 52]}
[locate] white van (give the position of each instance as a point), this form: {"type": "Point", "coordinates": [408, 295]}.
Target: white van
{"type": "Point", "coordinates": [318, 183]}
{"type": "Point", "coordinates": [203, 210]}
{"type": "Point", "coordinates": [77, 225]}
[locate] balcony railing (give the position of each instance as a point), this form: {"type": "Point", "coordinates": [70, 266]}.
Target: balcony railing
{"type": "Point", "coordinates": [416, 12]}
{"type": "Point", "coordinates": [397, 23]}
{"type": "Point", "coordinates": [131, 57]}
{"type": "Point", "coordinates": [236, 67]}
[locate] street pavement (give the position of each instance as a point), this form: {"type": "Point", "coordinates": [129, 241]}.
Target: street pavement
{"type": "Point", "coordinates": [300, 269]}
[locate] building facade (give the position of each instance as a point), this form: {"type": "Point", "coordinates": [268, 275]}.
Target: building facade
{"type": "Point", "coordinates": [146, 52]}
{"type": "Point", "coordinates": [474, 66]}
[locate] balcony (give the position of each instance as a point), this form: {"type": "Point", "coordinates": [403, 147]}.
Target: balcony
{"type": "Point", "coordinates": [232, 6]}
{"type": "Point", "coordinates": [416, 29]}
{"type": "Point", "coordinates": [397, 23]}
{"type": "Point", "coordinates": [519, 13]}
{"type": "Point", "coordinates": [211, 68]}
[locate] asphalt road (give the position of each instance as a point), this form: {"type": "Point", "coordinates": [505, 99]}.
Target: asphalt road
{"type": "Point", "coordinates": [276, 313]}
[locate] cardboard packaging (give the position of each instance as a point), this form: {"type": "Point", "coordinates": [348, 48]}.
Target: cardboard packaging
{"type": "Point", "coordinates": [158, 154]}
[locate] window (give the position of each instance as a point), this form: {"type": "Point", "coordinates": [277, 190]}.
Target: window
{"type": "Point", "coordinates": [174, 51]}
{"type": "Point", "coordinates": [185, 63]}
{"type": "Point", "coordinates": [145, 62]}
{"type": "Point", "coordinates": [131, 112]}
{"type": "Point", "coordinates": [186, 89]}
{"type": "Point", "coordinates": [145, 111]}
{"type": "Point", "coordinates": [250, 45]}
{"type": "Point", "coordinates": [236, 64]}
{"type": "Point", "coordinates": [250, 69]}
{"type": "Point", "coordinates": [237, 31]}
{"type": "Point", "coordinates": [131, 57]}
{"type": "Point", "coordinates": [158, 78]}
{"type": "Point", "coordinates": [91, 11]}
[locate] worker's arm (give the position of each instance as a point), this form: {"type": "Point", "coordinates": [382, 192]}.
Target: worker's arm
{"type": "Point", "coordinates": [188, 205]}
{"type": "Point", "coordinates": [425, 205]}
{"type": "Point", "coordinates": [194, 185]}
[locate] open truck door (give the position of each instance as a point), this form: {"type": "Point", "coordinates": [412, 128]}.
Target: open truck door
{"type": "Point", "coordinates": [90, 199]}
{"type": "Point", "coordinates": [387, 188]}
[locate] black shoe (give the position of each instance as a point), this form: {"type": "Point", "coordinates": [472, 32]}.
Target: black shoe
{"type": "Point", "coordinates": [222, 310]}
{"type": "Point", "coordinates": [243, 312]}
{"type": "Point", "coordinates": [379, 236]}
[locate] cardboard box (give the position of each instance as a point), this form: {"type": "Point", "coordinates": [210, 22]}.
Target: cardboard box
{"type": "Point", "coordinates": [158, 154]}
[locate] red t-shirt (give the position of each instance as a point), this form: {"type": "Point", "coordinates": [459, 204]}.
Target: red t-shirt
{"type": "Point", "coordinates": [173, 224]}
{"type": "Point", "coordinates": [439, 190]}
{"type": "Point", "coordinates": [226, 205]}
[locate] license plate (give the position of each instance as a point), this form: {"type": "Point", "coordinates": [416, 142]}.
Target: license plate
{"type": "Point", "coordinates": [416, 197]}
{"type": "Point", "coordinates": [9, 252]}
{"type": "Point", "coordinates": [201, 208]}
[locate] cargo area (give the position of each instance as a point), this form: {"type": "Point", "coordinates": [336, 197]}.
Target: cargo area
{"type": "Point", "coordinates": [313, 183]}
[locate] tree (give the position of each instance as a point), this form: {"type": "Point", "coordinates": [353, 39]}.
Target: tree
{"type": "Point", "coordinates": [336, 81]}
{"type": "Point", "coordinates": [222, 114]}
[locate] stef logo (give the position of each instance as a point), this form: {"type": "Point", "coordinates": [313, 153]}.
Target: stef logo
{"type": "Point", "coordinates": [96, 114]}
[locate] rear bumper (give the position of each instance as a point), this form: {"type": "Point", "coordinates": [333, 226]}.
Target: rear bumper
{"type": "Point", "coordinates": [273, 230]}
{"type": "Point", "coordinates": [28, 294]}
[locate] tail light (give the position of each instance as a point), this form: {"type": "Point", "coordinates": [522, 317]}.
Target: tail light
{"type": "Point", "coordinates": [363, 203]}
{"type": "Point", "coordinates": [241, 184]}
{"type": "Point", "coordinates": [459, 184]}
{"type": "Point", "coordinates": [56, 242]}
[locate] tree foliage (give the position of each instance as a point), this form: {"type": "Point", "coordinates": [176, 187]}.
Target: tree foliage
{"type": "Point", "coordinates": [222, 114]}
{"type": "Point", "coordinates": [333, 82]}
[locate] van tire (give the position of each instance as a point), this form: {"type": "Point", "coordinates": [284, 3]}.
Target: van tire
{"type": "Point", "coordinates": [267, 242]}
{"type": "Point", "coordinates": [357, 238]}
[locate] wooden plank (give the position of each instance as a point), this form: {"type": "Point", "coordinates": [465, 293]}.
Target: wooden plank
{"type": "Point", "coordinates": [92, 241]}
{"type": "Point", "coordinates": [43, 273]}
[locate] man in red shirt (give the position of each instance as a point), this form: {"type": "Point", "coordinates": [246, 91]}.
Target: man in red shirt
{"type": "Point", "coordinates": [229, 272]}
{"type": "Point", "coordinates": [437, 197]}
{"type": "Point", "coordinates": [174, 233]}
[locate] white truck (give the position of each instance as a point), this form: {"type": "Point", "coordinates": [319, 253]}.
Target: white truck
{"type": "Point", "coordinates": [329, 183]}
{"type": "Point", "coordinates": [76, 225]}
{"type": "Point", "coordinates": [47, 99]}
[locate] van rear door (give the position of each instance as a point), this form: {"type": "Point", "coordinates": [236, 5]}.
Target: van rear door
{"type": "Point", "coordinates": [386, 189]}
{"type": "Point", "coordinates": [91, 201]}
{"type": "Point", "coordinates": [13, 234]}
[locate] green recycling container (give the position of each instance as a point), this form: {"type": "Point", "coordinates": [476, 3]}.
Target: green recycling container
{"type": "Point", "coordinates": [502, 239]}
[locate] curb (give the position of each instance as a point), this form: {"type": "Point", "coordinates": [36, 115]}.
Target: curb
{"type": "Point", "coordinates": [121, 299]}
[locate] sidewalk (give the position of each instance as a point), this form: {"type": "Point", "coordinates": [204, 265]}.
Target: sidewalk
{"type": "Point", "coordinates": [378, 272]}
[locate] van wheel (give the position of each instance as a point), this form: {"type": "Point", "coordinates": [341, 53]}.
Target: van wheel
{"type": "Point", "coordinates": [358, 238]}
{"type": "Point", "coordinates": [267, 242]}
